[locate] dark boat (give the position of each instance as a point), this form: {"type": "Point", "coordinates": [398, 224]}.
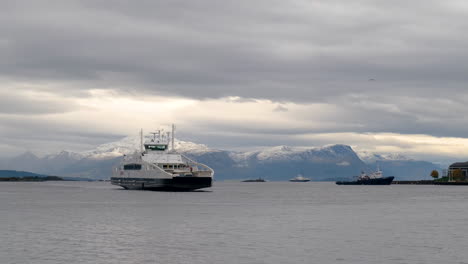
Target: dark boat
{"type": "Point", "coordinates": [255, 180]}
{"type": "Point", "coordinates": [379, 181]}
{"type": "Point", "coordinates": [372, 179]}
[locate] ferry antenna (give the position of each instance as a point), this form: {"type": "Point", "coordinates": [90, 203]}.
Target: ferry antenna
{"type": "Point", "coordinates": [154, 135]}
{"type": "Point", "coordinates": [173, 136]}
{"type": "Point", "coordinates": [141, 140]}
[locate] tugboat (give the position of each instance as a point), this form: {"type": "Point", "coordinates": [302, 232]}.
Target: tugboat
{"type": "Point", "coordinates": [158, 168]}
{"type": "Point", "coordinates": [375, 178]}
{"type": "Point", "coordinates": [299, 178]}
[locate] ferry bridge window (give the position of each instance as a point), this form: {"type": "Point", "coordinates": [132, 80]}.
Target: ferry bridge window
{"type": "Point", "coordinates": [132, 167]}
{"type": "Point", "coordinates": [156, 147]}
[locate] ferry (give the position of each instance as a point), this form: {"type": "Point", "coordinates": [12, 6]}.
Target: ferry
{"type": "Point", "coordinates": [159, 167]}
{"type": "Point", "coordinates": [299, 178]}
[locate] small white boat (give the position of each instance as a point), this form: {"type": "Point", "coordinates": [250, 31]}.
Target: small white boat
{"type": "Point", "coordinates": [299, 178]}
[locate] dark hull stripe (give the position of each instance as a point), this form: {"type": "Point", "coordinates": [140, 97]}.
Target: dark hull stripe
{"type": "Point", "coordinates": [173, 184]}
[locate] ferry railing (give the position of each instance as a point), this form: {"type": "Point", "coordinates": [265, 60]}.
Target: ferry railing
{"type": "Point", "coordinates": [199, 167]}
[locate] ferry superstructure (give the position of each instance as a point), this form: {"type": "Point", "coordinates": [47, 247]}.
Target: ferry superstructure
{"type": "Point", "coordinates": [160, 168]}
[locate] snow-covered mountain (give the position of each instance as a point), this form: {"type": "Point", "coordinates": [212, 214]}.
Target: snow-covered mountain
{"type": "Point", "coordinates": [370, 157]}
{"type": "Point", "coordinates": [283, 162]}
{"type": "Point", "coordinates": [275, 163]}
{"type": "Point", "coordinates": [131, 144]}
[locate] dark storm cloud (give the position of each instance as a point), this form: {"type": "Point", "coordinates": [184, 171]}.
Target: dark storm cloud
{"type": "Point", "coordinates": [298, 50]}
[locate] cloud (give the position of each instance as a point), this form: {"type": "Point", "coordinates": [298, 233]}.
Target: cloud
{"type": "Point", "coordinates": [21, 100]}
{"type": "Point", "coordinates": [294, 51]}
{"type": "Point", "coordinates": [280, 108]}
{"type": "Point", "coordinates": [234, 73]}
{"type": "Point", "coordinates": [105, 116]}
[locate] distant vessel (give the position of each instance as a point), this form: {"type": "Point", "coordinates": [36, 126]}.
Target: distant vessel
{"type": "Point", "coordinates": [156, 167]}
{"type": "Point", "coordinates": [299, 178]}
{"type": "Point", "coordinates": [255, 180]}
{"type": "Point", "coordinates": [375, 178]}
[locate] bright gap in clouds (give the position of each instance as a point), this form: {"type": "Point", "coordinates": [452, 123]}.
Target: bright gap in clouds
{"type": "Point", "coordinates": [245, 124]}
{"type": "Point", "coordinates": [233, 123]}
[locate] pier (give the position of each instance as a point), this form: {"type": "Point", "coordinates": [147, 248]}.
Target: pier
{"type": "Point", "coordinates": [429, 182]}
{"type": "Point", "coordinates": [420, 182]}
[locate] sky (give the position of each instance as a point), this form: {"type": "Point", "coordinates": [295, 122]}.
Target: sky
{"type": "Point", "coordinates": [380, 76]}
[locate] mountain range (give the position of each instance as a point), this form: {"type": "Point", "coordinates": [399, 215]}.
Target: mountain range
{"type": "Point", "coordinates": [327, 163]}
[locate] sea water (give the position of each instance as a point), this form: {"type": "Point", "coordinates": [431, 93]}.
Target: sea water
{"type": "Point", "coordinates": [233, 222]}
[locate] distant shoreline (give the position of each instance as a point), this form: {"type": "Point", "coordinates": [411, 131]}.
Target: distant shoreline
{"type": "Point", "coordinates": [30, 179]}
